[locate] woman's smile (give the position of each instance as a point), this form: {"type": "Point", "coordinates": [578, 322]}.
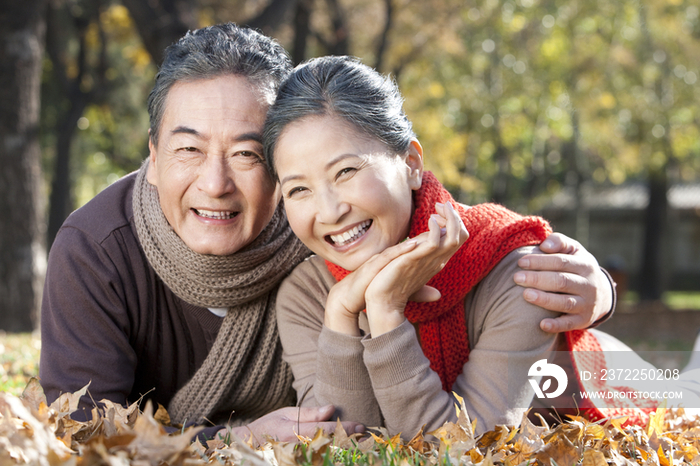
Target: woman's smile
{"type": "Point", "coordinates": [349, 236]}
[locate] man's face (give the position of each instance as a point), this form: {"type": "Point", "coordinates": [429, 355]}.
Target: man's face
{"type": "Point", "coordinates": [213, 185]}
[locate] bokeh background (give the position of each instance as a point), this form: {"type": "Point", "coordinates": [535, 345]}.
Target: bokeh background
{"type": "Point", "coordinates": [584, 111]}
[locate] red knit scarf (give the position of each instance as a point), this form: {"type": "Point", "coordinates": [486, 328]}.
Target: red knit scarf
{"type": "Point", "coordinates": [494, 231]}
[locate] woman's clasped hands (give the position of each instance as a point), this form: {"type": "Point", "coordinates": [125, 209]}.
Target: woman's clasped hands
{"type": "Point", "coordinates": [387, 281]}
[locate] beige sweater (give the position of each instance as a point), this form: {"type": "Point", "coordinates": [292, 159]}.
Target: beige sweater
{"type": "Point", "coordinates": [387, 380]}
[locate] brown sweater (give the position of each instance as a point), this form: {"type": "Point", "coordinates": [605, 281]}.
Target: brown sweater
{"type": "Point", "coordinates": [387, 381]}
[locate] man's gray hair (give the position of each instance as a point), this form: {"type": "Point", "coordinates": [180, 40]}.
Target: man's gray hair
{"type": "Point", "coordinates": [223, 49]}
{"type": "Point", "coordinates": [345, 88]}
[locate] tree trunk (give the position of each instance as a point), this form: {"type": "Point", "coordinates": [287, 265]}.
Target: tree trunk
{"type": "Point", "coordinates": [161, 22]}
{"type": "Point", "coordinates": [650, 280]}
{"type": "Point", "coordinates": [302, 27]}
{"type": "Point", "coordinates": [22, 26]}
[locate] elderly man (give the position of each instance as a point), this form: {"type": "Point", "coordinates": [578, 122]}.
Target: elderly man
{"type": "Point", "coordinates": [163, 286]}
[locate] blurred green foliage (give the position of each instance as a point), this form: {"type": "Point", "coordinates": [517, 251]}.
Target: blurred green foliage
{"type": "Point", "coordinates": [511, 99]}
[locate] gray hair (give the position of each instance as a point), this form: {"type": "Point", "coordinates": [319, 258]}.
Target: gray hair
{"type": "Point", "coordinates": [345, 88]}
{"type": "Point", "coordinates": [223, 49]}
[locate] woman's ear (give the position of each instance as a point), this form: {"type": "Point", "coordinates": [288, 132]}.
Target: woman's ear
{"type": "Point", "coordinates": [414, 160]}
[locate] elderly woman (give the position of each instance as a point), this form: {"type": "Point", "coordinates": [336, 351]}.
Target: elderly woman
{"type": "Point", "coordinates": [355, 192]}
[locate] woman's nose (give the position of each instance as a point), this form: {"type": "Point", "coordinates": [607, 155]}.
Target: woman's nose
{"type": "Point", "coordinates": [331, 207]}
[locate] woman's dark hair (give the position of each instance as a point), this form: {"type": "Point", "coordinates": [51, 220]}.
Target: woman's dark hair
{"type": "Point", "coordinates": [345, 88]}
{"type": "Point", "coordinates": [223, 49]}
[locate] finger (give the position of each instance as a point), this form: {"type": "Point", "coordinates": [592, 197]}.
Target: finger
{"type": "Point", "coordinates": [313, 414]}
{"type": "Point", "coordinates": [559, 282]}
{"type": "Point", "coordinates": [427, 294]}
{"type": "Point", "coordinates": [557, 262]}
{"type": "Point", "coordinates": [434, 231]}
{"type": "Point", "coordinates": [456, 231]}
{"type": "Point", "coordinates": [377, 262]}
{"type": "Point", "coordinates": [440, 215]}
{"type": "Point", "coordinates": [563, 323]}
{"type": "Point", "coordinates": [309, 429]}
{"type": "Point", "coordinates": [559, 243]}
{"type": "Point", "coordinates": [565, 303]}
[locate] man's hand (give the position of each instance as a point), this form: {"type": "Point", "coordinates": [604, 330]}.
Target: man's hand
{"type": "Point", "coordinates": [567, 279]}
{"type": "Point", "coordinates": [285, 423]}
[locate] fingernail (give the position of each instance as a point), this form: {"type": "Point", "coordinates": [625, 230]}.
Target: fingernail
{"type": "Point", "coordinates": [530, 295]}
{"type": "Point", "coordinates": [524, 263]}
{"type": "Point", "coordinates": [546, 326]}
{"type": "Point", "coordinates": [359, 429]}
{"type": "Point", "coordinates": [438, 205]}
{"type": "Point", "coordinates": [547, 243]}
{"type": "Point", "coordinates": [519, 277]}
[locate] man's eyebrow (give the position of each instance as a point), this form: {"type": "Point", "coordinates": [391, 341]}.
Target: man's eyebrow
{"type": "Point", "coordinates": [251, 136]}
{"type": "Point", "coordinates": [186, 130]}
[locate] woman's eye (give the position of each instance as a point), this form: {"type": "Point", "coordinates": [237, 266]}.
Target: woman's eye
{"type": "Point", "coordinates": [294, 191]}
{"type": "Point", "coordinates": [345, 171]}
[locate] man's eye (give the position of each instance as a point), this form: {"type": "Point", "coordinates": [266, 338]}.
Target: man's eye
{"type": "Point", "coordinates": [188, 149]}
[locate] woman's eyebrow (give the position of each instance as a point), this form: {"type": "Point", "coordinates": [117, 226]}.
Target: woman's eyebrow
{"type": "Point", "coordinates": [330, 163]}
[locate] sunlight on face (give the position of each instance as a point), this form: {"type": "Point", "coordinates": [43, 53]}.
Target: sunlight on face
{"type": "Point", "coordinates": [347, 195]}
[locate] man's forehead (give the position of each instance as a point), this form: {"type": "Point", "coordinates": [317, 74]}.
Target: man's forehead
{"type": "Point", "coordinates": [221, 99]}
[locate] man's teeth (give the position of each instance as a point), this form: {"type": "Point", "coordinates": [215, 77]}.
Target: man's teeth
{"type": "Point", "coordinates": [352, 234]}
{"type": "Point", "coordinates": [215, 215]}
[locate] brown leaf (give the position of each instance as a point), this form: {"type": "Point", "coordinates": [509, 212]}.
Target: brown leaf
{"type": "Point", "coordinates": [418, 442]}
{"type": "Point", "coordinates": [67, 403]}
{"type": "Point", "coordinates": [593, 458]}
{"type": "Point", "coordinates": [162, 415]}
{"type": "Point", "coordinates": [33, 395]}
{"type": "Point", "coordinates": [561, 450]}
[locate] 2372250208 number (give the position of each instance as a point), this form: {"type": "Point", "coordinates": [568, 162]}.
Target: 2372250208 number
{"type": "Point", "coordinates": [639, 374]}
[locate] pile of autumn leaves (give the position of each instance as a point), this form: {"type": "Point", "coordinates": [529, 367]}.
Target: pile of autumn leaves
{"type": "Point", "coordinates": [31, 432]}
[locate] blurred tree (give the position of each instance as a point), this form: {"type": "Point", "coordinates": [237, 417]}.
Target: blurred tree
{"type": "Point", "coordinates": [22, 29]}
{"type": "Point", "coordinates": [526, 97]}
{"type": "Point", "coordinates": [81, 79]}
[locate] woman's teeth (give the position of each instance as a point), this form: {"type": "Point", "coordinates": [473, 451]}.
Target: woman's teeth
{"type": "Point", "coordinates": [352, 234]}
{"type": "Point", "coordinates": [215, 215]}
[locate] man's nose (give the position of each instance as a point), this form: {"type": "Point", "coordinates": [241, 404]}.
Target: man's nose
{"type": "Point", "coordinates": [216, 177]}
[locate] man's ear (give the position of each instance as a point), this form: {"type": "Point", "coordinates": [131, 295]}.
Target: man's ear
{"type": "Point", "coordinates": [414, 160]}
{"type": "Point", "coordinates": [151, 174]}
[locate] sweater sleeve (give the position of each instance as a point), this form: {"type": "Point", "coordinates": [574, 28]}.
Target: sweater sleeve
{"type": "Point", "coordinates": [84, 325]}
{"type": "Point", "coordinates": [327, 366]}
{"type": "Point", "coordinates": [505, 340]}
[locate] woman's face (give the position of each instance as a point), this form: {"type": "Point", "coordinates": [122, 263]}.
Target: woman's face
{"type": "Point", "coordinates": [347, 195]}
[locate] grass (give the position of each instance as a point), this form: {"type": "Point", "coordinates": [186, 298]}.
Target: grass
{"type": "Point", "coordinates": [674, 300]}
{"type": "Point", "coordinates": [19, 360]}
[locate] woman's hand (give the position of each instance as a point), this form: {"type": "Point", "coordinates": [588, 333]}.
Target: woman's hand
{"type": "Point", "coordinates": [403, 279]}
{"type": "Point", "coordinates": [346, 299]}
{"type": "Point", "coordinates": [569, 280]}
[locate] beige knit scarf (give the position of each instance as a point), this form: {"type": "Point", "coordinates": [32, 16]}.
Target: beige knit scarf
{"type": "Point", "coordinates": [243, 377]}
